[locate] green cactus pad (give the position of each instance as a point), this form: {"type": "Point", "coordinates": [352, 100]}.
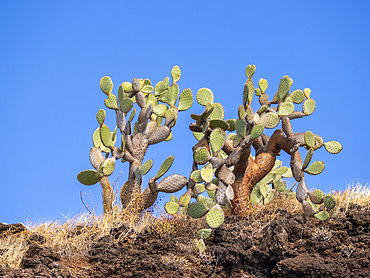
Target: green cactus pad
{"type": "Point", "coordinates": [172, 207]}
{"type": "Point", "coordinates": [197, 210]}
{"type": "Point", "coordinates": [88, 177]}
{"type": "Point", "coordinates": [164, 167]}
{"type": "Point", "coordinates": [218, 112]}
{"type": "Point", "coordinates": [198, 246]}
{"type": "Point", "coordinates": [297, 96]}
{"type": "Point", "coordinates": [256, 196]}
{"type": "Point", "coordinates": [212, 194]}
{"type": "Point", "coordinates": [204, 96]}
{"type": "Point", "coordinates": [170, 97]}
{"type": "Point", "coordinates": [218, 124]}
{"type": "Point", "coordinates": [126, 105]}
{"type": "Point", "coordinates": [258, 92]}
{"type": "Point", "coordinates": [200, 188]}
{"type": "Point", "coordinates": [196, 176]}
{"type": "Point", "coordinates": [185, 100]}
{"type": "Point", "coordinates": [322, 215]}
{"type": "Point", "coordinates": [198, 135]}
{"type": "Point", "coordinates": [111, 102]}
{"type": "Point", "coordinates": [201, 155]}
{"type": "Point", "coordinates": [147, 89]}
{"type": "Point", "coordinates": [316, 196]}
{"type": "Point", "coordinates": [269, 120]}
{"type": "Point", "coordinates": [172, 183]}
{"type": "Point", "coordinates": [329, 201]}
{"type": "Point", "coordinates": [160, 109]}
{"type": "Point", "coordinates": [204, 233]}
{"type": "Point", "coordinates": [132, 115]}
{"type": "Point", "coordinates": [215, 217]}
{"type": "Point", "coordinates": [175, 73]}
{"type": "Point", "coordinates": [145, 168]}
{"type": "Point", "coordinates": [307, 159]}
{"type": "Point", "coordinates": [236, 141]}
{"type": "Point", "coordinates": [256, 131]}
{"type": "Point", "coordinates": [106, 85]}
{"type": "Point", "coordinates": [231, 123]}
{"type": "Point", "coordinates": [249, 71]}
{"type": "Point", "coordinates": [106, 136]}
{"type": "Point", "coordinates": [309, 139]}
{"type": "Point", "coordinates": [241, 112]}
{"type": "Point", "coordinates": [162, 86]}
{"type": "Point", "coordinates": [280, 185]}
{"type": "Point", "coordinates": [207, 112]}
{"type": "Point", "coordinates": [307, 92]}
{"type": "Point", "coordinates": [309, 106]}
{"type": "Point", "coordinates": [151, 100]}
{"type": "Point", "coordinates": [281, 170]}
{"type": "Point", "coordinates": [315, 168]}
{"type": "Point", "coordinates": [100, 116]}
{"type": "Point", "coordinates": [126, 86]}
{"type": "Point", "coordinates": [288, 173]}
{"type": "Point", "coordinates": [262, 84]}
{"type": "Point", "coordinates": [286, 108]}
{"type": "Point", "coordinates": [184, 200]}
{"type": "Point", "coordinates": [217, 140]}
{"type": "Point", "coordinates": [333, 147]}
{"type": "Point", "coordinates": [240, 127]}
{"type": "Point", "coordinates": [248, 92]}
{"type": "Point", "coordinates": [207, 172]}
{"type": "Point", "coordinates": [264, 189]}
{"type": "Point", "coordinates": [284, 87]}
{"type": "Point", "coordinates": [108, 166]}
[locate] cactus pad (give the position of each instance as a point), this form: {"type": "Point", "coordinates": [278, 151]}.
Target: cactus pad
{"type": "Point", "coordinates": [329, 201]}
{"type": "Point", "coordinates": [100, 116]}
{"type": "Point", "coordinates": [126, 105]}
{"type": "Point", "coordinates": [297, 96]}
{"type": "Point", "coordinates": [248, 92]}
{"type": "Point", "coordinates": [256, 196]}
{"type": "Point", "coordinates": [207, 172]}
{"type": "Point", "coordinates": [88, 177]}
{"type": "Point", "coordinates": [106, 85]}
{"type": "Point", "coordinates": [111, 102]}
{"type": "Point", "coordinates": [249, 71]}
{"type": "Point", "coordinates": [184, 200]}
{"type": "Point", "coordinates": [198, 135]}
{"type": "Point", "coordinates": [333, 147]}
{"type": "Point", "coordinates": [309, 139]}
{"type": "Point", "coordinates": [197, 210]}
{"type": "Point", "coordinates": [201, 155]}
{"type": "Point", "coordinates": [217, 140]}
{"type": "Point", "coordinates": [164, 167]}
{"type": "Point", "coordinates": [322, 215]}
{"type": "Point", "coordinates": [106, 136]}
{"type": "Point", "coordinates": [159, 134]}
{"type": "Point", "coordinates": [204, 96]}
{"type": "Point", "coordinates": [185, 100]}
{"type": "Point", "coordinates": [215, 217]}
{"type": "Point", "coordinates": [160, 109]}
{"type": "Point", "coordinates": [108, 166]}
{"type": "Point", "coordinates": [170, 97]}
{"type": "Point", "coordinates": [145, 168]}
{"type": "Point", "coordinates": [256, 131]}
{"type": "Point", "coordinates": [316, 196]}
{"type": "Point", "coordinates": [172, 183]}
{"type": "Point", "coordinates": [172, 207]}
{"type": "Point", "coordinates": [307, 92]}
{"type": "Point", "coordinates": [307, 159]}
{"type": "Point", "coordinates": [315, 168]}
{"type": "Point", "coordinates": [132, 115]}
{"type": "Point", "coordinates": [96, 157]}
{"type": "Point", "coordinates": [195, 176]}
{"type": "Point", "coordinates": [286, 108]}
{"type": "Point", "coordinates": [284, 87]}
{"type": "Point", "coordinates": [240, 127]}
{"type": "Point", "coordinates": [204, 233]}
{"type": "Point", "coordinates": [262, 84]}
{"type": "Point", "coordinates": [269, 120]}
{"type": "Point", "coordinates": [175, 73]}
{"type": "Point", "coordinates": [309, 106]}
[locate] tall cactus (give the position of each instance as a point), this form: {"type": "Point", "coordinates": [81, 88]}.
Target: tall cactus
{"type": "Point", "coordinates": [158, 115]}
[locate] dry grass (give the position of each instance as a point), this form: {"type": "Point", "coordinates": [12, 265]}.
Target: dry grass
{"type": "Point", "coordinates": [73, 238]}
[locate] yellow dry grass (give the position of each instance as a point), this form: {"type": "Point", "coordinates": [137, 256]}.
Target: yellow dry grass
{"type": "Point", "coordinates": [73, 238]}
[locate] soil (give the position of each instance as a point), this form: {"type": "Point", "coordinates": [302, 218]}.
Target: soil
{"type": "Point", "coordinates": [288, 246]}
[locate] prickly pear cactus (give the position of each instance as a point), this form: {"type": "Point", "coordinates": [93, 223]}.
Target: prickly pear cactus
{"type": "Point", "coordinates": [157, 114]}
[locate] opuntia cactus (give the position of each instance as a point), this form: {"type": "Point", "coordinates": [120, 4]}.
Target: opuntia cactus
{"type": "Point", "coordinates": [154, 123]}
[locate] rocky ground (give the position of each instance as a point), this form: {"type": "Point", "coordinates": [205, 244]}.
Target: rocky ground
{"type": "Point", "coordinates": [287, 246]}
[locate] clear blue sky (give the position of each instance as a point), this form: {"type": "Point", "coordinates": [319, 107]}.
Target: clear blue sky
{"type": "Point", "coordinates": [53, 54]}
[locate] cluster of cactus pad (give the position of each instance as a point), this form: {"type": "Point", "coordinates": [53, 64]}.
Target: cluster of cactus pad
{"type": "Point", "coordinates": [223, 164]}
